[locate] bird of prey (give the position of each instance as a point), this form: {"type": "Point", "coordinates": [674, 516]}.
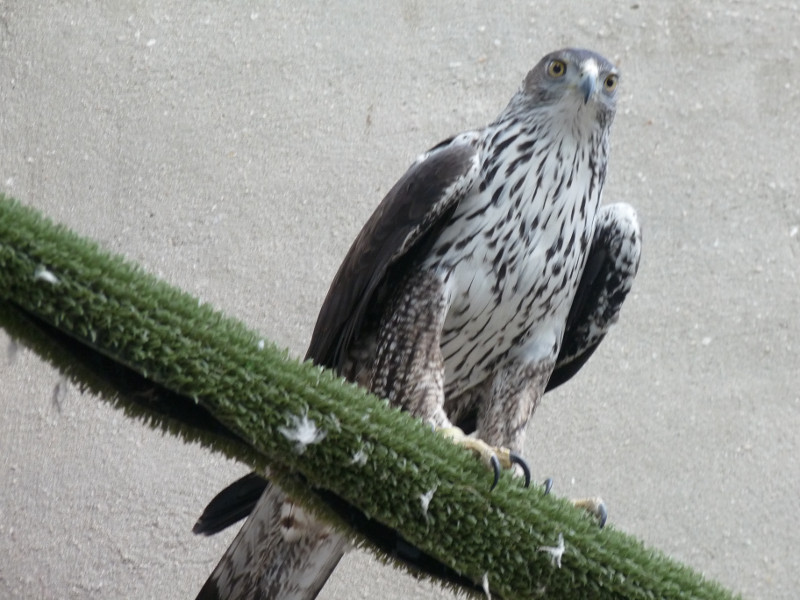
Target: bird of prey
{"type": "Point", "coordinates": [488, 274]}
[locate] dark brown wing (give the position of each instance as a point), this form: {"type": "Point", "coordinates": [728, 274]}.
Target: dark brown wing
{"type": "Point", "coordinates": [611, 267]}
{"type": "Point", "coordinates": [414, 207]}
{"type": "Point", "coordinates": [574, 350]}
{"type": "Point", "coordinates": [421, 199]}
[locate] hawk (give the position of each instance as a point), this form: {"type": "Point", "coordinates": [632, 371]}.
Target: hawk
{"type": "Point", "coordinates": [488, 275]}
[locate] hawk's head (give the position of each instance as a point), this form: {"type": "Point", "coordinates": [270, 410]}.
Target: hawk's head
{"type": "Point", "coordinates": [577, 85]}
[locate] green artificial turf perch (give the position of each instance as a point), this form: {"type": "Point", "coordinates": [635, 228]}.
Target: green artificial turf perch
{"type": "Point", "coordinates": [162, 356]}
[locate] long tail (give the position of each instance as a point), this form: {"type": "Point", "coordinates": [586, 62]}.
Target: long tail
{"type": "Point", "coordinates": [281, 553]}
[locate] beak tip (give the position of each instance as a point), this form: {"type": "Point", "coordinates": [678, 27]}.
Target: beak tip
{"type": "Point", "coordinates": [587, 87]}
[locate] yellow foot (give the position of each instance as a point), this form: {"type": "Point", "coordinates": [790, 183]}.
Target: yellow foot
{"type": "Point", "coordinates": [496, 458]}
{"type": "Point", "coordinates": [595, 507]}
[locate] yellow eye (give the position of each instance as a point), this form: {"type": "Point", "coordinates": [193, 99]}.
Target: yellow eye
{"type": "Point", "coordinates": [610, 84]}
{"type": "Point", "coordinates": [557, 68]}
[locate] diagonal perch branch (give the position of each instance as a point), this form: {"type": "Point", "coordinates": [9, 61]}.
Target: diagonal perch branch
{"type": "Point", "coordinates": [162, 357]}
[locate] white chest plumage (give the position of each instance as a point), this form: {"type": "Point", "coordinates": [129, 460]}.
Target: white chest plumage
{"type": "Point", "coordinates": [513, 252]}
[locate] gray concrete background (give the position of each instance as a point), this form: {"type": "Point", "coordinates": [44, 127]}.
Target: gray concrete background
{"type": "Point", "coordinates": [235, 149]}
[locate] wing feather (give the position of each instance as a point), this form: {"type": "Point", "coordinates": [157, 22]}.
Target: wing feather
{"type": "Point", "coordinates": [611, 267]}
{"type": "Point", "coordinates": [419, 202]}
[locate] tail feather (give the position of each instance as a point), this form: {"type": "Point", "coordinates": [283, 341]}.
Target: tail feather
{"type": "Point", "coordinates": [232, 504]}
{"type": "Point", "coordinates": [282, 552]}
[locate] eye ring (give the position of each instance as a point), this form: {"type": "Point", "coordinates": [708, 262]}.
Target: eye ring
{"type": "Point", "coordinates": [610, 83]}
{"type": "Point", "coordinates": [557, 68]}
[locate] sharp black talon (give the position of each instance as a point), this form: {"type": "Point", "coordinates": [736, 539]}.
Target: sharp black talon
{"type": "Point", "coordinates": [548, 485]}
{"type": "Point", "coordinates": [495, 462]}
{"type": "Point", "coordinates": [516, 459]}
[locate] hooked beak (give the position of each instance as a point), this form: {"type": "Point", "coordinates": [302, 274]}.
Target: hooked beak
{"type": "Point", "coordinates": [588, 81]}
{"type": "Point", "coordinates": [588, 84]}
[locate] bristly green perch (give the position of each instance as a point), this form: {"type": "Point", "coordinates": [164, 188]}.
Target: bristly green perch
{"type": "Point", "coordinates": [162, 356]}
